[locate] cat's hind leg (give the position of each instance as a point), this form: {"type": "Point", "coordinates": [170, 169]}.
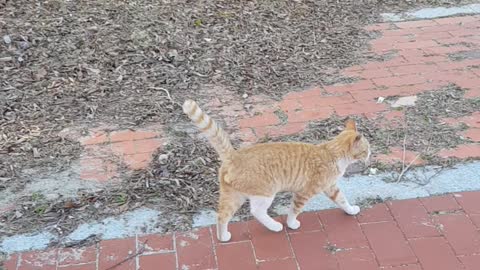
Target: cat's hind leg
{"type": "Point", "coordinates": [229, 203]}
{"type": "Point", "coordinates": [299, 201]}
{"type": "Point", "coordinates": [259, 207]}
{"type": "Point", "coordinates": [336, 195]}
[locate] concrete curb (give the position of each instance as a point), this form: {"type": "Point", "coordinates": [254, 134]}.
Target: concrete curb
{"type": "Point", "coordinates": [420, 182]}
{"type": "Point", "coordinates": [432, 13]}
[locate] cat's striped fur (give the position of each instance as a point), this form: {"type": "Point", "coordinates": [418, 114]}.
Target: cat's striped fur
{"type": "Point", "coordinates": [217, 136]}
{"type": "Point", "coordinates": [260, 171]}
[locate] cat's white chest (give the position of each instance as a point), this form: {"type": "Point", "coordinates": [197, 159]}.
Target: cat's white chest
{"type": "Point", "coordinates": [342, 165]}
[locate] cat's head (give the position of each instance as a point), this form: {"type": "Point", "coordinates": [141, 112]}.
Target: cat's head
{"type": "Point", "coordinates": [357, 145]}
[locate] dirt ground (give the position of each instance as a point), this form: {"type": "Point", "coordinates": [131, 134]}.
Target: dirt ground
{"type": "Point", "coordinates": [131, 63]}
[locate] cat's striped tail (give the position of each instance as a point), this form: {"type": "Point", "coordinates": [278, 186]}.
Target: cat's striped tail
{"type": "Point", "coordinates": [216, 135]}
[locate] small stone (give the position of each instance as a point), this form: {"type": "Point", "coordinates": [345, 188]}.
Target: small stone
{"type": "Point", "coordinates": [373, 171]}
{"type": "Point", "coordinates": [36, 154]}
{"type": "Point", "coordinates": [24, 45]}
{"type": "Point", "coordinates": [380, 99]}
{"type": "Point", "coordinates": [162, 158]}
{"type": "Point", "coordinates": [172, 54]}
{"type": "Point", "coordinates": [7, 39]}
{"type": "Point", "coordinates": [18, 214]}
{"type": "Point", "coordinates": [41, 73]}
{"type": "Point", "coordinates": [245, 95]}
{"type": "Point", "coordinates": [405, 102]}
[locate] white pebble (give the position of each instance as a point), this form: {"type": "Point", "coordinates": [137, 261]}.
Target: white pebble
{"type": "Point", "coordinates": [7, 39]}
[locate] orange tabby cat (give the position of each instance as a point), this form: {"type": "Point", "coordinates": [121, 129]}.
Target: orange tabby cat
{"type": "Point", "coordinates": [258, 172]}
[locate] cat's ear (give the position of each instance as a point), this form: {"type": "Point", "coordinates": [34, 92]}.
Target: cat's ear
{"type": "Point", "coordinates": [356, 140]}
{"type": "Point", "coordinates": [350, 124]}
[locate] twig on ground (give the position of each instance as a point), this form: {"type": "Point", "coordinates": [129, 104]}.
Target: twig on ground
{"type": "Point", "coordinates": [427, 180]}
{"type": "Point", "coordinates": [405, 169]}
{"type": "Point", "coordinates": [166, 92]}
{"type": "Point", "coordinates": [140, 252]}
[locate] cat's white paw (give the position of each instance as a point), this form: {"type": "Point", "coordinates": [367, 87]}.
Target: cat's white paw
{"type": "Point", "coordinates": [353, 210]}
{"type": "Point", "coordinates": [225, 237]}
{"type": "Point", "coordinates": [275, 227]}
{"type": "Point", "coordinates": [293, 224]}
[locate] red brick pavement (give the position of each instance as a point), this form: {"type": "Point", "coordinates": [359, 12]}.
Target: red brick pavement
{"type": "Point", "coordinates": [105, 151]}
{"type": "Point", "coordinates": [436, 233]}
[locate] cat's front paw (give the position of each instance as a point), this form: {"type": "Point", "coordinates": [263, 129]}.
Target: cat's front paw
{"type": "Point", "coordinates": [225, 237]}
{"type": "Point", "coordinates": [293, 224]}
{"type": "Point", "coordinates": [353, 210]}
{"type": "Point", "coordinates": [275, 227]}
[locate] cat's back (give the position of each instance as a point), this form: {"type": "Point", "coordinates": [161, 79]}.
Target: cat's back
{"type": "Point", "coordinates": [264, 169]}
{"type": "Point", "coordinates": [279, 154]}
{"type": "Point", "coordinates": [274, 150]}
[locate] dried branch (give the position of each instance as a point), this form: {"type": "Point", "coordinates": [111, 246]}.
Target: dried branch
{"type": "Point", "coordinates": [138, 253]}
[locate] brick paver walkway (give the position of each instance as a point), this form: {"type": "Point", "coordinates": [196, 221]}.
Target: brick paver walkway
{"type": "Point", "coordinates": [431, 234]}
{"type": "Point", "coordinates": [437, 233]}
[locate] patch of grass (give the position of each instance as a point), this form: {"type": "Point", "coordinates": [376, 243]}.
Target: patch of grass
{"type": "Point", "coordinates": [37, 197]}
{"type": "Point", "coordinates": [121, 199]}
{"type": "Point", "coordinates": [198, 23]}
{"type": "Point", "coordinates": [40, 210]}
